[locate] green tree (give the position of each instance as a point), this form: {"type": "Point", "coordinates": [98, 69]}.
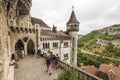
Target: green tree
{"type": "Point", "coordinates": [68, 75]}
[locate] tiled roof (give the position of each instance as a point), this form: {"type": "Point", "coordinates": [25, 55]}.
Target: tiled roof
{"type": "Point", "coordinates": [103, 71]}
{"type": "Point", "coordinates": [106, 68]}
{"type": "Point", "coordinates": [102, 75]}
{"type": "Point", "coordinates": [73, 18]}
{"type": "Point", "coordinates": [39, 21]}
{"type": "Point", "coordinates": [50, 32]}
{"type": "Point", "coordinates": [91, 69]}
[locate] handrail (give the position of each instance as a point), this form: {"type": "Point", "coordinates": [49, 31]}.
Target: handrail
{"type": "Point", "coordinates": [83, 75]}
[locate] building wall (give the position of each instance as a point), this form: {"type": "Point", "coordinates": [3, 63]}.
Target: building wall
{"type": "Point", "coordinates": [61, 50]}
{"type": "Point", "coordinates": [15, 37]}
{"type": "Point", "coordinates": [66, 50]}
{"type": "Point", "coordinates": [114, 30]}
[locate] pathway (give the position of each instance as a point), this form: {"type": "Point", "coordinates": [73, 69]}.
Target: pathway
{"type": "Point", "coordinates": [33, 68]}
{"type": "Point", "coordinates": [84, 51]}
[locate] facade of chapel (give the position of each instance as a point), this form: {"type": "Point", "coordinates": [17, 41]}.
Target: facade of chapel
{"type": "Point", "coordinates": [18, 30]}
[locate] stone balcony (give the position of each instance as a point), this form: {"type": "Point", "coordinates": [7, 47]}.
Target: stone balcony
{"type": "Point", "coordinates": [33, 68]}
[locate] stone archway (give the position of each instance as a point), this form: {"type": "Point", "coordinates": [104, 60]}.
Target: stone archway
{"type": "Point", "coordinates": [19, 45]}
{"type": "Point", "coordinates": [30, 47]}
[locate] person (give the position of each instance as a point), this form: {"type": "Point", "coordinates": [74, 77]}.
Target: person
{"type": "Point", "coordinates": [13, 61]}
{"type": "Point", "coordinates": [51, 55]}
{"type": "Point", "coordinates": [16, 56]}
{"type": "Point", "coordinates": [41, 53]}
{"type": "Point", "coordinates": [38, 53]}
{"type": "Point", "coordinates": [33, 51]}
{"type": "Point", "coordinates": [48, 65]}
{"type": "Point", "coordinates": [48, 53]}
{"type": "Point", "coordinates": [23, 54]}
{"type": "Point", "coordinates": [57, 61]}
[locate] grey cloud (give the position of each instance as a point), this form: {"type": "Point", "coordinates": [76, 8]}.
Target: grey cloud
{"type": "Point", "coordinates": [92, 14]}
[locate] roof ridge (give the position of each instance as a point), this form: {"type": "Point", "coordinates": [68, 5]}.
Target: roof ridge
{"type": "Point", "coordinates": [35, 20]}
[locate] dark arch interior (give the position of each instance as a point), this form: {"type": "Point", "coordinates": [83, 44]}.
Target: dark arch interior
{"type": "Point", "coordinates": [19, 45]}
{"type": "Point", "coordinates": [30, 47]}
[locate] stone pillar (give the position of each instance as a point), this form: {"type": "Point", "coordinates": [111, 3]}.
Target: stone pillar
{"type": "Point", "coordinates": [25, 48]}
{"type": "Point", "coordinates": [38, 37]}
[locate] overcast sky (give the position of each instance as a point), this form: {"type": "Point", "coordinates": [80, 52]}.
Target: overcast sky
{"type": "Point", "coordinates": [92, 14]}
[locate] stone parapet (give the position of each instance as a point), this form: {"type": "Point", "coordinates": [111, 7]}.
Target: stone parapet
{"type": "Point", "coordinates": [11, 73]}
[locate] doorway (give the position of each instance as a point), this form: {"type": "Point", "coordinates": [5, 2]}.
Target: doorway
{"type": "Point", "coordinates": [19, 45]}
{"type": "Point", "coordinates": [30, 47]}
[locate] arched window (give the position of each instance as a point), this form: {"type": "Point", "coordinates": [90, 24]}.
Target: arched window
{"type": "Point", "coordinates": [55, 44]}
{"type": "Point", "coordinates": [44, 45]}
{"type": "Point", "coordinates": [48, 45]}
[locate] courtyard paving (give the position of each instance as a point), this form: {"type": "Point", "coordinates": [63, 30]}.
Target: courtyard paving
{"type": "Point", "coordinates": [33, 68]}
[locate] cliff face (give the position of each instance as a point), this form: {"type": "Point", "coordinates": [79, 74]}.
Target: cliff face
{"type": "Point", "coordinates": [3, 42]}
{"type": "Point", "coordinates": [10, 11]}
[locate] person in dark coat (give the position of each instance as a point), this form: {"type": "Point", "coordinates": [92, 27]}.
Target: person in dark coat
{"type": "Point", "coordinates": [33, 51]}
{"type": "Point", "coordinates": [57, 61]}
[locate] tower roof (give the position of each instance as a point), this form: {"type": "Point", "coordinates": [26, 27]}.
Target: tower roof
{"type": "Point", "coordinates": [73, 18]}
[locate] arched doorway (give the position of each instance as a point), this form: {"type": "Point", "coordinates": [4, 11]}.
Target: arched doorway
{"type": "Point", "coordinates": [30, 47]}
{"type": "Point", "coordinates": [19, 45]}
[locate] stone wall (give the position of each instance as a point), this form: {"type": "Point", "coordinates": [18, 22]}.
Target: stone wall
{"type": "Point", "coordinates": [4, 43]}
{"type": "Point", "coordinates": [29, 36]}
{"type": "Point", "coordinates": [8, 10]}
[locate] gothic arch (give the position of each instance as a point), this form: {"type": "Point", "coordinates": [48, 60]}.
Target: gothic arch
{"type": "Point", "coordinates": [19, 45]}
{"type": "Point", "coordinates": [30, 47]}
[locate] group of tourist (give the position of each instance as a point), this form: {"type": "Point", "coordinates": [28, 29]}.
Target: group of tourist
{"type": "Point", "coordinates": [52, 60]}
{"type": "Point", "coordinates": [39, 53]}
{"type": "Point", "coordinates": [15, 57]}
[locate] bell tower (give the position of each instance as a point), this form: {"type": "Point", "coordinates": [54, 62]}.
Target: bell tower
{"type": "Point", "coordinates": [72, 29]}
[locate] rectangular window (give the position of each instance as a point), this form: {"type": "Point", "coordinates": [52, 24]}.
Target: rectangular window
{"type": "Point", "coordinates": [46, 45]}
{"type": "Point", "coordinates": [55, 44]}
{"type": "Point", "coordinates": [65, 56]}
{"type": "Point", "coordinates": [65, 44]}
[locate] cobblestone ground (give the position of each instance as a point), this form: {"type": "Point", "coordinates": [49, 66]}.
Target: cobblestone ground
{"type": "Point", "coordinates": [33, 68]}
